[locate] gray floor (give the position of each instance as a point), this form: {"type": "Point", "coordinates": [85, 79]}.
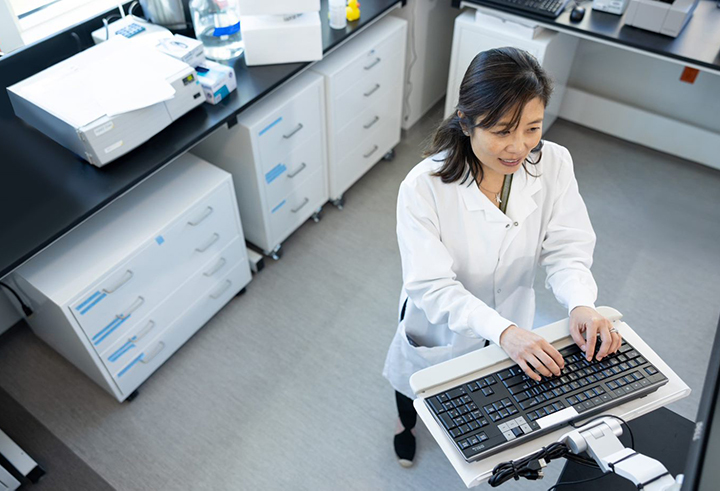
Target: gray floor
{"type": "Point", "coordinates": [282, 389]}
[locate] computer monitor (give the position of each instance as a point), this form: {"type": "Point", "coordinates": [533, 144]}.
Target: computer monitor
{"type": "Point", "coordinates": [702, 471]}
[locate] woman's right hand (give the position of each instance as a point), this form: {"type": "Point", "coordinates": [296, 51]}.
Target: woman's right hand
{"type": "Point", "coordinates": [530, 351]}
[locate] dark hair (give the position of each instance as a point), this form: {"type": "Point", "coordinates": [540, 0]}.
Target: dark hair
{"type": "Point", "coordinates": [497, 82]}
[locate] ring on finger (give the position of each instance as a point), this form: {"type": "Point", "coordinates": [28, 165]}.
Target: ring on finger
{"type": "Point", "coordinates": [613, 329]}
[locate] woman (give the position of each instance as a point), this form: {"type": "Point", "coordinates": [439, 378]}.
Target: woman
{"type": "Point", "coordinates": [491, 202]}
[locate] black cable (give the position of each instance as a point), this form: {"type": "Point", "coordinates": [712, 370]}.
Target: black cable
{"type": "Point", "coordinates": [28, 311]}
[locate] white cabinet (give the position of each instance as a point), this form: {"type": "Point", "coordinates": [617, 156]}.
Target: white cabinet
{"type": "Point", "coordinates": [276, 154]}
{"type": "Point", "coordinates": [554, 51]}
{"type": "Point", "coordinates": [363, 93]}
{"type": "Point", "coordinates": [122, 291]}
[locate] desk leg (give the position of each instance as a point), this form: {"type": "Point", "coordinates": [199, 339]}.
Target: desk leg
{"type": "Point", "coordinates": [19, 459]}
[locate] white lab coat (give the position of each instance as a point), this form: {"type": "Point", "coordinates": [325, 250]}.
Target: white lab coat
{"type": "Point", "coordinates": [468, 268]}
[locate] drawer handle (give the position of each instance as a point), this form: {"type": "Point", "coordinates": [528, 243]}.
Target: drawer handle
{"type": "Point", "coordinates": [371, 151]}
{"type": "Point", "coordinates": [306, 201]}
{"type": "Point", "coordinates": [126, 277]}
{"type": "Point", "coordinates": [214, 239]}
{"type": "Point", "coordinates": [217, 267]}
{"type": "Point", "coordinates": [289, 135]}
{"type": "Point", "coordinates": [377, 60]}
{"type": "Point", "coordinates": [372, 91]}
{"type": "Point", "coordinates": [205, 214]}
{"type": "Point", "coordinates": [154, 353]}
{"type": "Point", "coordinates": [136, 304]}
{"type": "Point", "coordinates": [375, 120]}
{"type": "Point", "coordinates": [302, 167]}
{"type": "Point", "coordinates": [142, 333]}
{"type": "Point", "coordinates": [226, 285]}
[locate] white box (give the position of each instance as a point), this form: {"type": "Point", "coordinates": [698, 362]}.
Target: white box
{"type": "Point", "coordinates": [277, 7]}
{"type": "Point", "coordinates": [217, 80]}
{"type": "Point", "coordinates": [183, 48]}
{"type": "Point", "coordinates": [273, 39]}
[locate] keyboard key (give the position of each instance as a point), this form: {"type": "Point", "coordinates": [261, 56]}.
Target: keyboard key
{"type": "Point", "coordinates": [589, 404]}
{"type": "Point", "coordinates": [463, 410]}
{"type": "Point", "coordinates": [517, 431]}
{"type": "Point", "coordinates": [526, 429]}
{"type": "Point", "coordinates": [605, 398]}
{"type": "Point", "coordinates": [436, 405]}
{"type": "Point", "coordinates": [498, 405]}
{"type": "Point", "coordinates": [640, 360]}
{"type": "Point", "coordinates": [473, 440]}
{"type": "Point", "coordinates": [651, 370]}
{"type": "Point", "coordinates": [636, 385]}
{"type": "Point", "coordinates": [506, 402]}
{"type": "Point", "coordinates": [471, 406]}
{"type": "Point", "coordinates": [516, 389]}
{"type": "Point", "coordinates": [589, 393]}
{"type": "Point", "coordinates": [522, 396]}
{"type": "Point", "coordinates": [482, 437]}
{"type": "Point", "coordinates": [447, 421]}
{"type": "Point", "coordinates": [512, 410]}
{"type": "Point", "coordinates": [513, 381]}
{"type": "Point", "coordinates": [504, 413]}
{"type": "Point", "coordinates": [456, 392]}
{"type": "Point", "coordinates": [464, 444]}
{"type": "Point", "coordinates": [473, 425]}
{"type": "Point", "coordinates": [597, 401]}
{"type": "Point", "coordinates": [629, 379]}
{"type": "Point", "coordinates": [457, 403]}
{"type": "Point", "coordinates": [509, 435]}
{"type": "Point", "coordinates": [558, 406]}
{"type": "Point", "coordinates": [549, 409]}
{"type": "Point", "coordinates": [487, 391]}
{"type": "Point", "coordinates": [466, 399]}
{"type": "Point", "coordinates": [464, 428]}
{"type": "Point", "coordinates": [490, 380]}
{"type": "Point", "coordinates": [448, 405]}
{"type": "Point", "coordinates": [504, 374]}
{"type": "Point", "coordinates": [612, 385]}
{"type": "Point", "coordinates": [532, 415]}
{"type": "Point", "coordinates": [541, 412]}
{"type": "Point", "coordinates": [580, 408]}
{"type": "Point", "coordinates": [572, 400]}
{"type": "Point", "coordinates": [489, 409]}
{"type": "Point", "coordinates": [644, 382]}
{"type": "Point", "coordinates": [525, 405]}
{"type": "Point", "coordinates": [467, 418]}
{"type": "Point", "coordinates": [476, 414]}
{"type": "Point", "coordinates": [459, 421]}
{"type": "Point", "coordinates": [483, 422]}
{"type": "Point", "coordinates": [620, 382]}
{"type": "Point", "coordinates": [495, 417]}
{"type": "Point", "coordinates": [473, 386]}
{"type": "Point", "coordinates": [443, 398]}
{"type": "Point", "coordinates": [455, 432]}
{"type": "Point", "coordinates": [580, 397]}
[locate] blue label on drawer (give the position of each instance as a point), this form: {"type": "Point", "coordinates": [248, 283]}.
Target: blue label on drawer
{"type": "Point", "coordinates": [123, 349]}
{"type": "Point", "coordinates": [122, 372]}
{"type": "Point", "coordinates": [275, 173]}
{"type": "Point", "coordinates": [159, 239]}
{"type": "Point", "coordinates": [267, 128]}
{"type": "Point", "coordinates": [278, 206]}
{"type": "Point", "coordinates": [91, 301]}
{"type": "Point", "coordinates": [107, 330]}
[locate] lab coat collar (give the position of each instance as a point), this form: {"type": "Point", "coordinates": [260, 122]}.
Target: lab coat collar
{"type": "Point", "coordinates": [520, 206]}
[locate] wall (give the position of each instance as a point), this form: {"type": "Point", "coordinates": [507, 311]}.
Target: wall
{"type": "Point", "coordinates": [432, 21]}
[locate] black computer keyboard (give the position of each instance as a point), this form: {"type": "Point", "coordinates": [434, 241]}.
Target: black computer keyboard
{"type": "Point", "coordinates": [546, 8]}
{"type": "Point", "coordinates": [507, 408]}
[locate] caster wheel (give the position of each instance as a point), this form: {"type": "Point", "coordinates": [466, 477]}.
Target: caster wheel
{"type": "Point", "coordinates": [276, 254]}
{"type": "Point", "coordinates": [132, 396]}
{"type": "Point", "coordinates": [390, 156]}
{"type": "Point", "coordinates": [339, 203]}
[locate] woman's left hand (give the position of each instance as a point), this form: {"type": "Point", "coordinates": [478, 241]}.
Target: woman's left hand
{"type": "Point", "coordinates": [587, 321]}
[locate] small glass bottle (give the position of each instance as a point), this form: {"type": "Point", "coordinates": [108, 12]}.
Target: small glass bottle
{"type": "Point", "coordinates": [337, 14]}
{"type": "Point", "coordinates": [217, 26]}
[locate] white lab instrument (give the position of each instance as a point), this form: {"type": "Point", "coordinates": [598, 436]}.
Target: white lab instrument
{"type": "Point", "coordinates": [107, 100]}
{"type": "Point", "coordinates": [278, 7]}
{"type": "Point", "coordinates": [617, 7]}
{"type": "Point", "coordinates": [185, 49]}
{"type": "Point", "coordinates": [439, 378]}
{"type": "Point", "coordinates": [120, 293]}
{"type": "Point", "coordinates": [276, 153]}
{"type": "Point", "coordinates": [130, 27]}
{"type": "Point", "coordinates": [554, 52]}
{"type": "Point", "coordinates": [665, 18]}
{"type": "Point", "coordinates": [273, 39]}
{"type": "Point", "coordinates": [364, 82]}
{"type": "Point", "coordinates": [217, 80]}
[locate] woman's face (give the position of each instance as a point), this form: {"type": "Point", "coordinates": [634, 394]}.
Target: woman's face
{"type": "Point", "coordinates": [502, 150]}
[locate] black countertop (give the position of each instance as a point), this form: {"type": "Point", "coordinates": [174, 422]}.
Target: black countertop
{"type": "Point", "coordinates": [698, 43]}
{"type": "Point", "coordinates": [45, 190]}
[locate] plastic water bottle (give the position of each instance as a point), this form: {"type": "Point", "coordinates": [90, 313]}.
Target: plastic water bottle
{"type": "Point", "coordinates": [217, 26]}
{"type": "Point", "coordinates": [337, 14]}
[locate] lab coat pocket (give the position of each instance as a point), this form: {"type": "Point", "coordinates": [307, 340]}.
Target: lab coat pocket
{"type": "Point", "coordinates": [422, 356]}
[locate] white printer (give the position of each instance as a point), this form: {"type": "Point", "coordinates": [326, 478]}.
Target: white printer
{"type": "Point", "coordinates": [107, 100]}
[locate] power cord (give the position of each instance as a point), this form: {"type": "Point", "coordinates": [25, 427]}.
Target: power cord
{"type": "Point", "coordinates": [530, 467]}
{"type": "Point", "coordinates": [27, 310]}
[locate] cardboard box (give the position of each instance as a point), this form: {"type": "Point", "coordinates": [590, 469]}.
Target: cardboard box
{"type": "Point", "coordinates": [183, 48]}
{"type": "Point", "coordinates": [273, 39]}
{"type": "Point", "coordinates": [277, 7]}
{"type": "Point", "coordinates": [217, 80]}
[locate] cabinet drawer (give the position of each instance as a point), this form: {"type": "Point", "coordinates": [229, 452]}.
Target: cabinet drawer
{"type": "Point", "coordinates": [124, 295]}
{"type": "Point", "coordinates": [135, 369]}
{"type": "Point", "coordinates": [297, 206]}
{"type": "Point", "coordinates": [293, 170]}
{"type": "Point", "coordinates": [383, 110]}
{"type": "Point", "coordinates": [288, 127]}
{"type": "Point", "coordinates": [374, 59]}
{"type": "Point", "coordinates": [358, 161]}
{"type": "Point", "coordinates": [135, 339]}
{"type": "Point", "coordinates": [371, 88]}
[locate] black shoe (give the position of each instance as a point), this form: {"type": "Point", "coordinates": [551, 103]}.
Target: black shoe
{"type": "Point", "coordinates": [405, 448]}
